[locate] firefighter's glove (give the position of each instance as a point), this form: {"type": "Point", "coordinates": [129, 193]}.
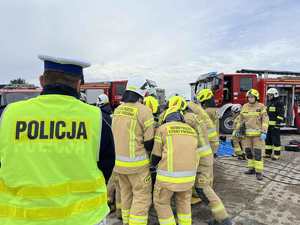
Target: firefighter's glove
{"type": "Point", "coordinates": [263, 136]}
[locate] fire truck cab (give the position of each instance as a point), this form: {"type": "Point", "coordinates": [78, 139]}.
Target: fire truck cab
{"type": "Point", "coordinates": [14, 93]}
{"type": "Point", "coordinates": [231, 89]}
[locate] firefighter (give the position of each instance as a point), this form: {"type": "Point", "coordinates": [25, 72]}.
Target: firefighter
{"type": "Point", "coordinates": [49, 154]}
{"type": "Point", "coordinates": [134, 138]}
{"type": "Point", "coordinates": [204, 179]}
{"type": "Point", "coordinates": [176, 171]}
{"type": "Point", "coordinates": [152, 103]}
{"type": "Point", "coordinates": [113, 188]}
{"type": "Point", "coordinates": [276, 115]}
{"type": "Point", "coordinates": [207, 100]}
{"type": "Point", "coordinates": [211, 133]}
{"type": "Point", "coordinates": [254, 118]}
{"type": "Point", "coordinates": [236, 134]}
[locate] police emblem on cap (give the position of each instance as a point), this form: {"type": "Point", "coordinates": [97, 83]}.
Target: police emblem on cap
{"type": "Point", "coordinates": [63, 65]}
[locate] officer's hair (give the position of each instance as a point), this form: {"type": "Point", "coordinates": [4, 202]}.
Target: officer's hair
{"type": "Point", "coordinates": [53, 77]}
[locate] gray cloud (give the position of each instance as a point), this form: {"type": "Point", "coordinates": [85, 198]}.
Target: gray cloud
{"type": "Point", "coordinates": [172, 41]}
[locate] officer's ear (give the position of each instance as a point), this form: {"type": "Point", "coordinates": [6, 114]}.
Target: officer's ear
{"type": "Point", "coordinates": [78, 86]}
{"type": "Point", "coordinates": [42, 80]}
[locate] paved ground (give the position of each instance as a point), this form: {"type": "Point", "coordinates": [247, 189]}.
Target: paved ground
{"type": "Point", "coordinates": [273, 201]}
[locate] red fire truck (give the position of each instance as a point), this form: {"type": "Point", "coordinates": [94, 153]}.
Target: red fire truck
{"type": "Point", "coordinates": [14, 93]}
{"type": "Point", "coordinates": [231, 89]}
{"type": "Point", "coordinates": [113, 89]}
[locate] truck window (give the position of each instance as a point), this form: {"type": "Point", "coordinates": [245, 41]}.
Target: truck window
{"type": "Point", "coordinates": [245, 83]}
{"type": "Point", "coordinates": [120, 89]}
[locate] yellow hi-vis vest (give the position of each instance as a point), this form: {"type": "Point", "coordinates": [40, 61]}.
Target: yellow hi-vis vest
{"type": "Point", "coordinates": [49, 148]}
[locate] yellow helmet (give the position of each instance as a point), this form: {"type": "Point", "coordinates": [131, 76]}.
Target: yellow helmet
{"type": "Point", "coordinates": [204, 94]}
{"type": "Point", "coordinates": [170, 110]}
{"type": "Point", "coordinates": [177, 101]}
{"type": "Point", "coordinates": [152, 103]}
{"type": "Point", "coordinates": [253, 92]}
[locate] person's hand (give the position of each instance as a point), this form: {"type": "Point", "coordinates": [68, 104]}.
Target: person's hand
{"type": "Point", "coordinates": [263, 136]}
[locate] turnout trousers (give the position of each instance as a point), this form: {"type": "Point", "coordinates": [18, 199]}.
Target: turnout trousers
{"type": "Point", "coordinates": [136, 197]}
{"type": "Point", "coordinates": [162, 202]}
{"type": "Point", "coordinates": [205, 191]}
{"type": "Point", "coordinates": [273, 143]}
{"type": "Point", "coordinates": [254, 149]}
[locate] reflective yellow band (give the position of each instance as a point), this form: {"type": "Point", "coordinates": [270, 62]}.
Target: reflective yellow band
{"type": "Point", "coordinates": [277, 148]}
{"type": "Point", "coordinates": [184, 219]}
{"type": "Point", "coordinates": [157, 139]}
{"type": "Point", "coordinates": [125, 215]}
{"type": "Point", "coordinates": [259, 166]}
{"type": "Point", "coordinates": [217, 208]}
{"type": "Point", "coordinates": [251, 132]}
{"type": "Point", "coordinates": [13, 212]}
{"type": "Point", "coordinates": [212, 135]}
{"type": "Point", "coordinates": [170, 153]}
{"type": "Point", "coordinates": [245, 114]}
{"type": "Point", "coordinates": [133, 219]}
{"type": "Point", "coordinates": [149, 123]}
{"type": "Point", "coordinates": [132, 164]}
{"type": "Point", "coordinates": [272, 123]}
{"type": "Point", "coordinates": [168, 221]}
{"type": "Point", "coordinates": [132, 138]}
{"type": "Point", "coordinates": [280, 117]}
{"type": "Point", "coordinates": [250, 163]}
{"type": "Point", "coordinates": [176, 180]}
{"type": "Point", "coordinates": [205, 153]}
{"type": "Point", "coordinates": [53, 190]}
{"type": "Point", "coordinates": [269, 147]}
{"type": "Point", "coordinates": [272, 109]}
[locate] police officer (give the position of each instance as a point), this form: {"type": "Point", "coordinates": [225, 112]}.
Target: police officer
{"type": "Point", "coordinates": [176, 170]}
{"type": "Point", "coordinates": [254, 118]}
{"type": "Point", "coordinates": [113, 188]}
{"type": "Point", "coordinates": [49, 149]}
{"type": "Point", "coordinates": [276, 115]}
{"type": "Point", "coordinates": [134, 138]}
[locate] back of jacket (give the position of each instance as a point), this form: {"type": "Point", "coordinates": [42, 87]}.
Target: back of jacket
{"type": "Point", "coordinates": [132, 125]}
{"type": "Point", "coordinates": [176, 143]}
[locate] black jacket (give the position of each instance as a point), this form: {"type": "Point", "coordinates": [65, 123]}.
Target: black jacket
{"type": "Point", "coordinates": [275, 110]}
{"type": "Point", "coordinates": [106, 161]}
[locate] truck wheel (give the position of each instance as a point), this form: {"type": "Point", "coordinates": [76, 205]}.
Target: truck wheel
{"type": "Point", "coordinates": [226, 123]}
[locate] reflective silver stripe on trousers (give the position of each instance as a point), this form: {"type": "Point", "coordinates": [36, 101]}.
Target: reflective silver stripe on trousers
{"type": "Point", "coordinates": [128, 159]}
{"type": "Point", "coordinates": [252, 130]}
{"type": "Point", "coordinates": [176, 174]}
{"type": "Point", "coordinates": [204, 148]}
{"type": "Point", "coordinates": [210, 130]}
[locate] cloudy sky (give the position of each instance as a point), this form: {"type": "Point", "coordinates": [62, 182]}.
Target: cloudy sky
{"type": "Point", "coordinates": [170, 41]}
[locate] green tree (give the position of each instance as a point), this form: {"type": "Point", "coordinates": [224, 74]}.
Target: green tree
{"type": "Point", "coordinates": [18, 81]}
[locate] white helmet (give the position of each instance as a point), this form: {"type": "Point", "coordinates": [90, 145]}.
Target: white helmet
{"type": "Point", "coordinates": [236, 108]}
{"type": "Point", "coordinates": [83, 97]}
{"type": "Point", "coordinates": [137, 87]}
{"type": "Point", "coordinates": [273, 91]}
{"type": "Point", "coordinates": [152, 91]}
{"type": "Point", "coordinates": [102, 100]}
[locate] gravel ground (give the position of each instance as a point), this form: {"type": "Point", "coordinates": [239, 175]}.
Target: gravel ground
{"type": "Point", "coordinates": [273, 201]}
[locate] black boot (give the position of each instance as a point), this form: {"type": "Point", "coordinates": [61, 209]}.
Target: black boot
{"type": "Point", "coordinates": [242, 157]}
{"type": "Point", "coordinates": [259, 176]}
{"type": "Point", "coordinates": [224, 222]}
{"type": "Point", "coordinates": [250, 172]}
